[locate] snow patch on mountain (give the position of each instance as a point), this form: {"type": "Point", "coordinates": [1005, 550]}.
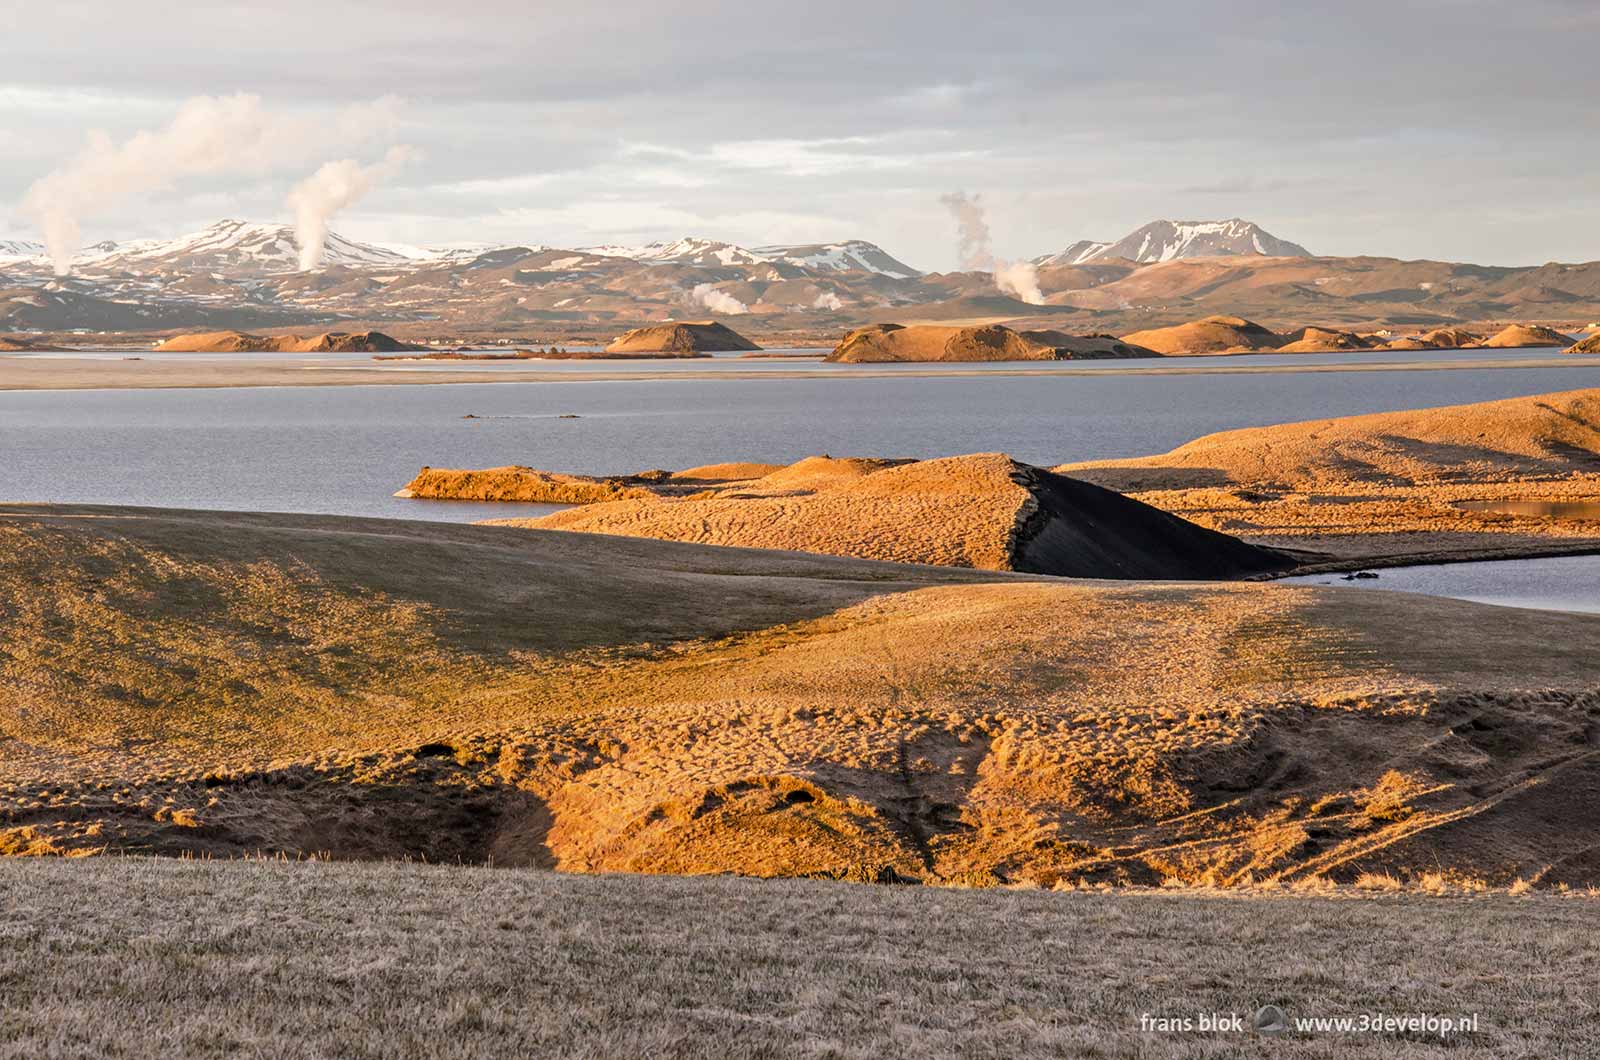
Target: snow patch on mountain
{"type": "Point", "coordinates": [15, 250]}
{"type": "Point", "coordinates": [1171, 240]}
{"type": "Point", "coordinates": [1081, 251]}
{"type": "Point", "coordinates": [851, 255]}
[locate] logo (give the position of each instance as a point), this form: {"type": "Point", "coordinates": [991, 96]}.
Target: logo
{"type": "Point", "coordinates": [1270, 1020]}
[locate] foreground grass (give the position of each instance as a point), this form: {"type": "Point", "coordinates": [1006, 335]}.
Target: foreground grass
{"type": "Point", "coordinates": [158, 958]}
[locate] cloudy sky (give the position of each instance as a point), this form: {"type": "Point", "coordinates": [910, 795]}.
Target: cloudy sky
{"type": "Point", "coordinates": [1453, 129]}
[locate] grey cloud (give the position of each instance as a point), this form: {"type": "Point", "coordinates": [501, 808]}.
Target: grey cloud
{"type": "Point", "coordinates": [1334, 125]}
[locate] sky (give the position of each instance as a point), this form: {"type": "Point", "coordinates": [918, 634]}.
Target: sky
{"type": "Point", "coordinates": [1450, 129]}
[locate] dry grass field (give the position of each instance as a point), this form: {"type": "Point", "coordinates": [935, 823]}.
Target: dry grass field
{"type": "Point", "coordinates": [215, 683]}
{"type": "Point", "coordinates": [1390, 486]}
{"type": "Point", "coordinates": [133, 958]}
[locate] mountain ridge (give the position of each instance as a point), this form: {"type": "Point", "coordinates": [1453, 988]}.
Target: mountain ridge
{"type": "Point", "coordinates": [242, 276]}
{"type": "Point", "coordinates": [1164, 240]}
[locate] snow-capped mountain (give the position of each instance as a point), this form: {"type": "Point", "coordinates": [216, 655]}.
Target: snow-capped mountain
{"type": "Point", "coordinates": [14, 250]}
{"type": "Point", "coordinates": [453, 254]}
{"type": "Point", "coordinates": [1170, 240]}
{"type": "Point", "coordinates": [239, 248]}
{"type": "Point", "coordinates": [1081, 251]}
{"type": "Point", "coordinates": [682, 252]}
{"type": "Point", "coordinates": [852, 255]}
{"type": "Point", "coordinates": [235, 246]}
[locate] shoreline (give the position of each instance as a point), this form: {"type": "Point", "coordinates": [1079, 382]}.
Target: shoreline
{"type": "Point", "coordinates": [26, 374]}
{"type": "Point", "coordinates": [1440, 558]}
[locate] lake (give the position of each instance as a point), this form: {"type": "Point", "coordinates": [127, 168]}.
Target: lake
{"type": "Point", "coordinates": [345, 450]}
{"type": "Point", "coordinates": [1562, 583]}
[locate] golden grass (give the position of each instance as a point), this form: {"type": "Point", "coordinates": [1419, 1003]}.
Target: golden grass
{"type": "Point", "coordinates": [222, 683]}
{"type": "Point", "coordinates": [141, 958]}
{"type": "Point", "coordinates": [1385, 486]}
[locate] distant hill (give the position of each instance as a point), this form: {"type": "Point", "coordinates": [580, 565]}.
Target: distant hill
{"type": "Point", "coordinates": [1170, 240]}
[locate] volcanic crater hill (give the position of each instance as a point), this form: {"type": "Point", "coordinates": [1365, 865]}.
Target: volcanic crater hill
{"type": "Point", "coordinates": [1323, 340]}
{"type": "Point", "coordinates": [327, 342]}
{"type": "Point", "coordinates": [886, 343]}
{"type": "Point", "coordinates": [1590, 344]}
{"type": "Point", "coordinates": [1437, 339]}
{"type": "Point", "coordinates": [681, 339]}
{"type": "Point", "coordinates": [227, 684]}
{"type": "Point", "coordinates": [985, 511]}
{"type": "Point", "coordinates": [1522, 335]}
{"type": "Point", "coordinates": [1213, 334]}
{"type": "Point", "coordinates": [1388, 485]}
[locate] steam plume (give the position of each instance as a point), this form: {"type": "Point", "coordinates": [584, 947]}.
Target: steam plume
{"type": "Point", "coordinates": [718, 301]}
{"type": "Point", "coordinates": [828, 300]}
{"type": "Point", "coordinates": [209, 136]}
{"type": "Point", "coordinates": [330, 189]}
{"type": "Point", "coordinates": [974, 229]}
{"type": "Point", "coordinates": [1020, 279]}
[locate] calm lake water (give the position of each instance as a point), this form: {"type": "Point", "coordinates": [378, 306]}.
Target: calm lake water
{"type": "Point", "coordinates": [1563, 583]}
{"type": "Point", "coordinates": [345, 450]}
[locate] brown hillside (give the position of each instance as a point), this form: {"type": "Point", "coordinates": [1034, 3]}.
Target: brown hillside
{"type": "Point", "coordinates": [881, 343]}
{"type": "Point", "coordinates": [239, 342]}
{"type": "Point", "coordinates": [1520, 335]}
{"type": "Point", "coordinates": [985, 511]}
{"type": "Point", "coordinates": [1387, 485]}
{"type": "Point", "coordinates": [219, 342]}
{"type": "Point", "coordinates": [681, 339]}
{"type": "Point", "coordinates": [345, 342]}
{"type": "Point", "coordinates": [1451, 338]}
{"type": "Point", "coordinates": [1322, 340]}
{"type": "Point", "coordinates": [1588, 345]}
{"type": "Point", "coordinates": [1512, 441]}
{"type": "Point", "coordinates": [1437, 339]}
{"type": "Point", "coordinates": [1217, 334]}
{"type": "Point", "coordinates": [222, 684]}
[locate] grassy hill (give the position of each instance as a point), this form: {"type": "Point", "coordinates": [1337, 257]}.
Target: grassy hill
{"type": "Point", "coordinates": [219, 684]}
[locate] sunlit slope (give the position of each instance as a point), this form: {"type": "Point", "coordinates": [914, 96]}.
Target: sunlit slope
{"type": "Point", "coordinates": [222, 683]}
